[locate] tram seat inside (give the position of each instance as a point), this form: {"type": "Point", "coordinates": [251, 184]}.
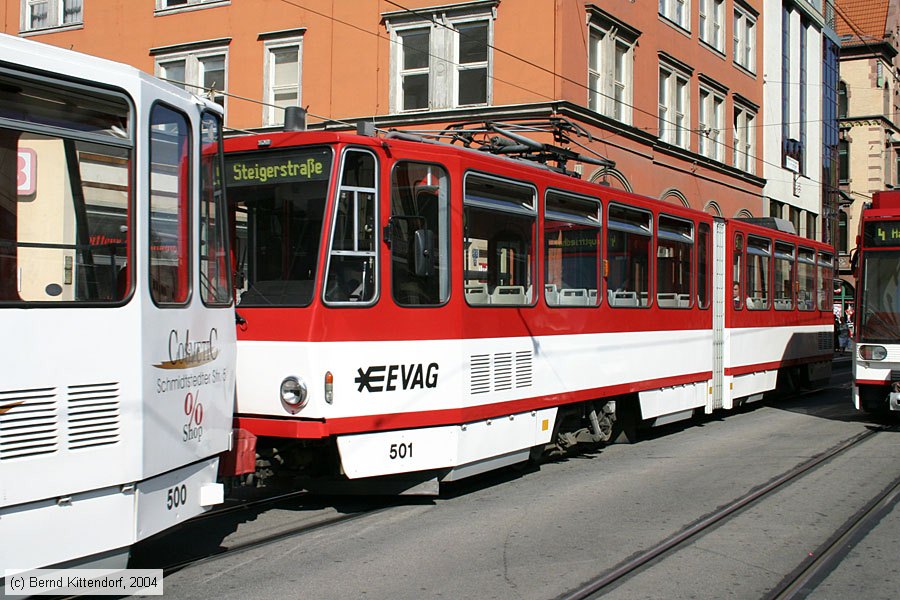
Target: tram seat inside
{"type": "Point", "coordinates": [623, 298]}
{"type": "Point", "coordinates": [783, 304]}
{"type": "Point", "coordinates": [757, 303]}
{"type": "Point", "coordinates": [508, 294]}
{"type": "Point", "coordinates": [476, 293]}
{"type": "Point", "coordinates": [551, 294]}
{"type": "Point", "coordinates": [573, 297]}
{"type": "Point", "coordinates": [667, 300]}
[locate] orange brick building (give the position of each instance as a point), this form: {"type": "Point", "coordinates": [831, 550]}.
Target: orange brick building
{"type": "Point", "coordinates": [667, 89]}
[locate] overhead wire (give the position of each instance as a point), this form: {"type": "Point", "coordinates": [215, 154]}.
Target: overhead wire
{"type": "Point", "coordinates": [426, 16]}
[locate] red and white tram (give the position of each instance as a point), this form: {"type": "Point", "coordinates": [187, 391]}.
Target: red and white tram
{"type": "Point", "coordinates": [437, 311]}
{"type": "Point", "coordinates": [116, 306]}
{"type": "Point", "coordinates": [876, 356]}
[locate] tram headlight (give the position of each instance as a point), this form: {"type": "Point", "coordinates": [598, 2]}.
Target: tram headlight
{"type": "Point", "coordinates": [294, 394]}
{"type": "Point", "coordinates": [872, 352]}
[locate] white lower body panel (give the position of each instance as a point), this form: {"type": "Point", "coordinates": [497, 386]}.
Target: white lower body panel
{"type": "Point", "coordinates": [102, 523]}
{"type": "Point", "coordinates": [409, 450]}
{"type": "Point", "coordinates": [674, 400]}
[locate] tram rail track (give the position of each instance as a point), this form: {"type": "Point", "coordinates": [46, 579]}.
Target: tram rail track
{"type": "Point", "coordinates": [794, 582]}
{"type": "Point", "coordinates": [804, 578]}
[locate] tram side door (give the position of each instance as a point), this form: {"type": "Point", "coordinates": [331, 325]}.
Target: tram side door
{"type": "Point", "coordinates": [188, 320]}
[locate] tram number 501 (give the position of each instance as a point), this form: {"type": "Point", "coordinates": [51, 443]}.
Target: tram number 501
{"type": "Point", "coordinates": [401, 451]}
{"type": "Point", "coordinates": [176, 496]}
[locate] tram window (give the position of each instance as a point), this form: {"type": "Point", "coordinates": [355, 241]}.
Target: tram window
{"type": "Point", "coordinates": [351, 276]}
{"type": "Point", "coordinates": [628, 254]}
{"type": "Point", "coordinates": [703, 264]}
{"type": "Point", "coordinates": [66, 210]}
{"type": "Point", "coordinates": [759, 253]}
{"type": "Point", "coordinates": [215, 279]}
{"type": "Point", "coordinates": [498, 241]}
{"type": "Point", "coordinates": [419, 234]}
{"type": "Point", "coordinates": [737, 270]}
{"type": "Point", "coordinates": [571, 250]}
{"type": "Point", "coordinates": [278, 223]}
{"type": "Point", "coordinates": [170, 185]}
{"type": "Point", "coordinates": [784, 276]}
{"type": "Point", "coordinates": [54, 104]}
{"type": "Point", "coordinates": [674, 260]}
{"type": "Point", "coordinates": [806, 279]}
{"type": "Point", "coordinates": [826, 283]}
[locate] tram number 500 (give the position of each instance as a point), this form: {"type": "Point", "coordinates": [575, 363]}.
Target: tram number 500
{"type": "Point", "coordinates": [401, 451]}
{"type": "Point", "coordinates": [176, 496]}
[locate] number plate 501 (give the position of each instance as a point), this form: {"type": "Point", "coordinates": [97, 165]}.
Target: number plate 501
{"type": "Point", "coordinates": [400, 451]}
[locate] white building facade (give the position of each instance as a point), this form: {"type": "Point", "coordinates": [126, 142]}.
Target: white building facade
{"type": "Point", "coordinates": [794, 79]}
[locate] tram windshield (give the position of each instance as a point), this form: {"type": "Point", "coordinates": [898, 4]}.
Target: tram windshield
{"type": "Point", "coordinates": [278, 202]}
{"type": "Point", "coordinates": [880, 297]}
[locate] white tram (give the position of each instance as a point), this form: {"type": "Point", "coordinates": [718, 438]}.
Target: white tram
{"type": "Point", "coordinates": [117, 363]}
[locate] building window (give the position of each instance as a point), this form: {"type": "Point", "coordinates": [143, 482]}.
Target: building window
{"type": "Point", "coordinates": [888, 162]}
{"type": "Point", "coordinates": [674, 106]}
{"type": "Point", "coordinates": [167, 4]}
{"type": "Point", "coordinates": [712, 124]}
{"type": "Point", "coordinates": [610, 70]}
{"type": "Point", "coordinates": [712, 23]}
{"type": "Point", "coordinates": [785, 74]}
{"type": "Point", "coordinates": [811, 227]}
{"type": "Point", "coordinates": [775, 208]}
{"type": "Point", "coordinates": [842, 100]}
{"type": "Point", "coordinates": [413, 72]}
{"type": "Point", "coordinates": [803, 95]}
{"type": "Point", "coordinates": [795, 218]}
{"type": "Point", "coordinates": [744, 39]}
{"type": "Point", "coordinates": [46, 14]}
{"type": "Point", "coordinates": [676, 11]}
{"type": "Point", "coordinates": [844, 162]}
{"type": "Point", "coordinates": [472, 41]}
{"type": "Point", "coordinates": [843, 237]}
{"type": "Point", "coordinates": [744, 139]}
{"type": "Point", "coordinates": [282, 75]}
{"type": "Point", "coordinates": [198, 73]}
{"type": "Point", "coordinates": [897, 167]}
{"type": "Point", "coordinates": [441, 59]}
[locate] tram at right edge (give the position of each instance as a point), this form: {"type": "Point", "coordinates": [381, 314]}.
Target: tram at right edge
{"type": "Point", "coordinates": [876, 359]}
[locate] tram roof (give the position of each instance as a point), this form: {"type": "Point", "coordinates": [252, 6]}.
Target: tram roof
{"type": "Point", "coordinates": [26, 54]}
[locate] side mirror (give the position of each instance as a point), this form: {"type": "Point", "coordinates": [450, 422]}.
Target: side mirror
{"type": "Point", "coordinates": [411, 243]}
{"type": "Point", "coordinates": [423, 253]}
